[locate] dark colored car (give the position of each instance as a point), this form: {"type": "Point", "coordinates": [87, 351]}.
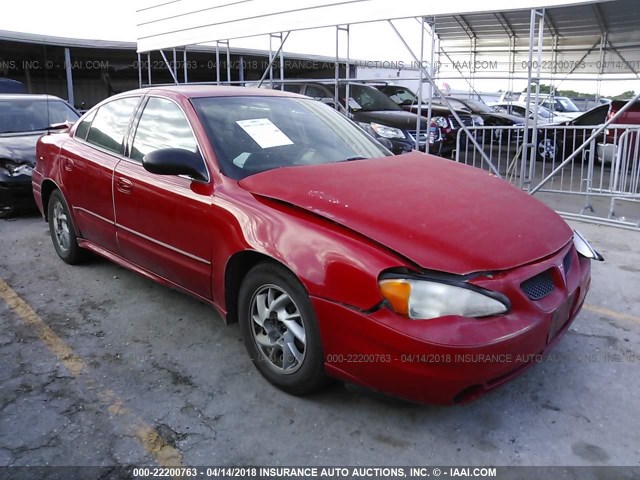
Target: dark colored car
{"type": "Point", "coordinates": [567, 141]}
{"type": "Point", "coordinates": [8, 85]}
{"type": "Point", "coordinates": [23, 119]}
{"type": "Point", "coordinates": [559, 142]}
{"type": "Point", "coordinates": [338, 259]}
{"type": "Point", "coordinates": [375, 113]}
{"type": "Point", "coordinates": [441, 116]}
{"type": "Point", "coordinates": [490, 118]}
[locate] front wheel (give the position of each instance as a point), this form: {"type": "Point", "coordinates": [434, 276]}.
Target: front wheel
{"type": "Point", "coordinates": [280, 329]}
{"type": "Point", "coordinates": [62, 231]}
{"type": "Point", "coordinates": [547, 150]}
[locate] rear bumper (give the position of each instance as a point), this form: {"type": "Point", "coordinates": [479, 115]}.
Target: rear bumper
{"type": "Point", "coordinates": [452, 359]}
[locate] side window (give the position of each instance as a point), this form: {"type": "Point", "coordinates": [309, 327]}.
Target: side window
{"type": "Point", "coordinates": [110, 123]}
{"type": "Point", "coordinates": [316, 92]}
{"type": "Point", "coordinates": [83, 126]}
{"type": "Point", "coordinates": [162, 125]}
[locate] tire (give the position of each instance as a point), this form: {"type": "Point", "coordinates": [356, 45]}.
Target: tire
{"type": "Point", "coordinates": [62, 230]}
{"type": "Point", "coordinates": [547, 150]}
{"type": "Point", "coordinates": [288, 354]}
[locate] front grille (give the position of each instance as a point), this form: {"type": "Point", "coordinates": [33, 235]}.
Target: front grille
{"type": "Point", "coordinates": [423, 135]}
{"type": "Point", "coordinates": [466, 120]}
{"type": "Point", "coordinates": [566, 262]}
{"type": "Point", "coordinates": [538, 287]}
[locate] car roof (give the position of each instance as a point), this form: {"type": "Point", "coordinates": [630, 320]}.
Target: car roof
{"type": "Point", "coordinates": [28, 96]}
{"type": "Point", "coordinates": [198, 91]}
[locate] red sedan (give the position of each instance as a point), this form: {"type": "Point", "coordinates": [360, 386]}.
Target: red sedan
{"type": "Point", "coordinates": [408, 274]}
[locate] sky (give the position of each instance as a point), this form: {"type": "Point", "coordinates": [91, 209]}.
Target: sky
{"type": "Point", "coordinates": [115, 20]}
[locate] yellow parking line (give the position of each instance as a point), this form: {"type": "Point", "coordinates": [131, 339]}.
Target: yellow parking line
{"type": "Point", "coordinates": [611, 313]}
{"type": "Point", "coordinates": [149, 438]}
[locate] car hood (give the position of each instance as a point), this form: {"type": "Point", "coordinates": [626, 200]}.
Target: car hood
{"type": "Point", "coordinates": [505, 117]}
{"type": "Point", "coordinates": [391, 118]}
{"type": "Point", "coordinates": [19, 147]}
{"type": "Point", "coordinates": [439, 214]}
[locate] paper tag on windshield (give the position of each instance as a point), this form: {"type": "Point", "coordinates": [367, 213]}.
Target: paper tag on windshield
{"type": "Point", "coordinates": [353, 104]}
{"type": "Point", "coordinates": [264, 132]}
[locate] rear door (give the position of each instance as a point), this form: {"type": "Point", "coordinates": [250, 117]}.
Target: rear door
{"type": "Point", "coordinates": [88, 163]}
{"type": "Point", "coordinates": [163, 221]}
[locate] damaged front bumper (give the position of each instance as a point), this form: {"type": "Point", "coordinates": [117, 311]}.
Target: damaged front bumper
{"type": "Point", "coordinates": [15, 187]}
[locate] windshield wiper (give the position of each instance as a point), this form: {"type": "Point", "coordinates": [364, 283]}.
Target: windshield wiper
{"type": "Point", "coordinates": [351, 159]}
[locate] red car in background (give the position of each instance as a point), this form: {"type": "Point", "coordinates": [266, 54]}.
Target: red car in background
{"type": "Point", "coordinates": [338, 259]}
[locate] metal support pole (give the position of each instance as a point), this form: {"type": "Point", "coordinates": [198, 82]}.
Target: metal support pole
{"type": "Point", "coordinates": [67, 67]}
{"type": "Point", "coordinates": [432, 27]}
{"type": "Point", "coordinates": [175, 65]}
{"type": "Point", "coordinates": [446, 102]}
{"type": "Point", "coordinates": [217, 63]}
{"type": "Point", "coordinates": [228, 63]}
{"type": "Point", "coordinates": [532, 161]}
{"type": "Point", "coordinates": [336, 79]}
{"type": "Point", "coordinates": [149, 66]}
{"type": "Point", "coordinates": [474, 56]}
{"type": "Point", "coordinates": [166, 62]}
{"type": "Point", "coordinates": [601, 58]}
{"type": "Point", "coordinates": [139, 72]}
{"type": "Point", "coordinates": [281, 65]}
{"type": "Point", "coordinates": [336, 73]}
{"type": "Point", "coordinates": [419, 119]}
{"type": "Point", "coordinates": [272, 59]}
{"type": "Point", "coordinates": [347, 87]}
{"type": "Point", "coordinates": [184, 64]}
{"type": "Point", "coordinates": [527, 146]}
{"type": "Point", "coordinates": [441, 51]}
{"type": "Point", "coordinates": [241, 70]}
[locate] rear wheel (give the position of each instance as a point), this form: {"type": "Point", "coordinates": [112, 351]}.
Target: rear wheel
{"type": "Point", "coordinates": [62, 231]}
{"type": "Point", "coordinates": [280, 329]}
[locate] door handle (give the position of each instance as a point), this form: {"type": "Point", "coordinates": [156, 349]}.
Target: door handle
{"type": "Point", "coordinates": [124, 185]}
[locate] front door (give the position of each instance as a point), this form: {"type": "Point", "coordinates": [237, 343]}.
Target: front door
{"type": "Point", "coordinates": [163, 221]}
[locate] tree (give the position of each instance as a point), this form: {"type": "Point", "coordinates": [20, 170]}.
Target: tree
{"type": "Point", "coordinates": [628, 95]}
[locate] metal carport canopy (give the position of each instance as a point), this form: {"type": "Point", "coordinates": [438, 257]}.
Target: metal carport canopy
{"type": "Point", "coordinates": [166, 24]}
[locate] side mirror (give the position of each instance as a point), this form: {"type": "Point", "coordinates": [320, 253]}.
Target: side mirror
{"type": "Point", "coordinates": [66, 125]}
{"type": "Point", "coordinates": [175, 161]}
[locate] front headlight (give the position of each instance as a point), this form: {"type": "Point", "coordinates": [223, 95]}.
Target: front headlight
{"type": "Point", "coordinates": [477, 121]}
{"type": "Point", "coordinates": [387, 132]}
{"type": "Point", "coordinates": [584, 248]}
{"type": "Point", "coordinates": [425, 299]}
{"type": "Point", "coordinates": [442, 122]}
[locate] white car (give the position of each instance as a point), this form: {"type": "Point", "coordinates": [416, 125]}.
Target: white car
{"type": "Point", "coordinates": [521, 109]}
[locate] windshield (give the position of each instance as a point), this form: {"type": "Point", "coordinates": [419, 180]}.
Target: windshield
{"type": "Point", "coordinates": [543, 112]}
{"type": "Point", "coordinates": [399, 95]}
{"type": "Point", "coordinates": [568, 105]}
{"type": "Point", "coordinates": [560, 104]}
{"type": "Point", "coordinates": [253, 134]}
{"type": "Point", "coordinates": [368, 99]}
{"type": "Point", "coordinates": [21, 115]}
